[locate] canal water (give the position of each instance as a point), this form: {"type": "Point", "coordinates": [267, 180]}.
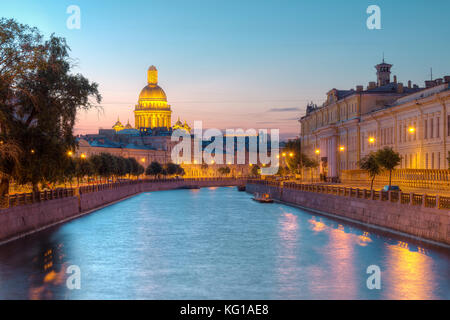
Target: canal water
{"type": "Point", "coordinates": [215, 243]}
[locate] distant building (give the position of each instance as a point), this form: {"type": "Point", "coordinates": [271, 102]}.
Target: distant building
{"type": "Point", "coordinates": [352, 123]}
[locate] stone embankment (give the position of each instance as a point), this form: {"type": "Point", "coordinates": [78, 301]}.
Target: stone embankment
{"type": "Point", "coordinates": [27, 213]}
{"type": "Point", "coordinates": [415, 215]}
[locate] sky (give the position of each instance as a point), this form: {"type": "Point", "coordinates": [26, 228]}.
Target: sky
{"type": "Point", "coordinates": [239, 64]}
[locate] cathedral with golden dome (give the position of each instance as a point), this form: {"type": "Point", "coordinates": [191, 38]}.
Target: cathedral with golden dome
{"type": "Point", "coordinates": [152, 112]}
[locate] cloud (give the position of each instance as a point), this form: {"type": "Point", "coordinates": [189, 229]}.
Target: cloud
{"type": "Point", "coordinates": [284, 109]}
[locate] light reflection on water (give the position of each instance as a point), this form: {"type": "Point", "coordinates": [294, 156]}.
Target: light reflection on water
{"type": "Point", "coordinates": [217, 244]}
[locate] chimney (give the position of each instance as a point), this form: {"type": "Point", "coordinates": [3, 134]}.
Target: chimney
{"type": "Point", "coordinates": [400, 88]}
{"type": "Point", "coordinates": [429, 84]}
{"type": "Point", "coordinates": [395, 79]}
{"type": "Point", "coordinates": [439, 81]}
{"type": "Point", "coordinates": [447, 79]}
{"type": "Point", "coordinates": [409, 84]}
{"type": "Point", "coordinates": [359, 88]}
{"type": "Point", "coordinates": [415, 86]}
{"type": "Point", "coordinates": [372, 85]}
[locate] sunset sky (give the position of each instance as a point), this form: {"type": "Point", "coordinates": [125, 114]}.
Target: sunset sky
{"type": "Point", "coordinates": [248, 64]}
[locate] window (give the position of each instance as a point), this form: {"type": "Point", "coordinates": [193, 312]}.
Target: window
{"type": "Point", "coordinates": [425, 130]}
{"type": "Point", "coordinates": [438, 120]}
{"type": "Point", "coordinates": [432, 160]}
{"type": "Point", "coordinates": [426, 161]}
{"type": "Point", "coordinates": [400, 134]}
{"type": "Point", "coordinates": [431, 128]}
{"type": "Point", "coordinates": [448, 125]}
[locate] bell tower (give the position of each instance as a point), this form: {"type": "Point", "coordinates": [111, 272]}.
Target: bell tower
{"type": "Point", "coordinates": [383, 73]}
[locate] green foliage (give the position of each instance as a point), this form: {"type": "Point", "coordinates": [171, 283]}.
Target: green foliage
{"type": "Point", "coordinates": [224, 170]}
{"type": "Point", "coordinates": [295, 159]}
{"type": "Point", "coordinates": [255, 170]}
{"type": "Point", "coordinates": [174, 169]}
{"type": "Point", "coordinates": [39, 100]}
{"type": "Point", "coordinates": [371, 165]}
{"type": "Point", "coordinates": [154, 169]}
{"type": "Point", "coordinates": [388, 159]}
{"type": "Point", "coordinates": [375, 162]}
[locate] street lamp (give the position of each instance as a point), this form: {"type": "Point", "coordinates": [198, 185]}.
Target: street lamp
{"type": "Point", "coordinates": [291, 154]}
{"type": "Point", "coordinates": [341, 148]}
{"type": "Point", "coordinates": [69, 153]}
{"type": "Point", "coordinates": [83, 156]}
{"type": "Point", "coordinates": [317, 151]}
{"type": "Point", "coordinates": [411, 130]}
{"type": "Point", "coordinates": [371, 139]}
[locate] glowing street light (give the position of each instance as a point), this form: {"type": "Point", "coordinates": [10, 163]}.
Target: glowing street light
{"type": "Point", "coordinates": [371, 140]}
{"type": "Point", "coordinates": [69, 153]}
{"type": "Point", "coordinates": [341, 148]}
{"type": "Point", "coordinates": [411, 130]}
{"type": "Point", "coordinates": [143, 160]}
{"type": "Point", "coordinates": [284, 154]}
{"type": "Point", "coordinates": [291, 154]}
{"type": "Point", "coordinates": [317, 151]}
{"type": "Point", "coordinates": [83, 156]}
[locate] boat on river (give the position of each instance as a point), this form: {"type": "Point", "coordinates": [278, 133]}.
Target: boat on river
{"type": "Point", "coordinates": [241, 188]}
{"type": "Point", "coordinates": [262, 198]}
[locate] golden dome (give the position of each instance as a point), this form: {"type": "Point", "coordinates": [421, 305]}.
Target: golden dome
{"type": "Point", "coordinates": [153, 93]}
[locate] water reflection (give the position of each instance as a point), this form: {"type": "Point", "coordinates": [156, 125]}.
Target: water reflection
{"type": "Point", "coordinates": [287, 270]}
{"type": "Point", "coordinates": [412, 271]}
{"type": "Point", "coordinates": [216, 243]}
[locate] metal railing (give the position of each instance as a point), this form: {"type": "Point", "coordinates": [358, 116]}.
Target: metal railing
{"type": "Point", "coordinates": [20, 199]}
{"type": "Point", "coordinates": [414, 199]}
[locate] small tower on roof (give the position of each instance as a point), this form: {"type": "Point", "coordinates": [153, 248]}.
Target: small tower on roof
{"type": "Point", "coordinates": [383, 73]}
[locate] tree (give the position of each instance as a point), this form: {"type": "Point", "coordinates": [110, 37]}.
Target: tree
{"type": "Point", "coordinates": [370, 164]}
{"type": "Point", "coordinates": [154, 169]}
{"type": "Point", "coordinates": [388, 159]}
{"type": "Point", "coordinates": [255, 170]}
{"type": "Point", "coordinates": [224, 170]}
{"type": "Point", "coordinates": [39, 100]}
{"type": "Point", "coordinates": [174, 169]}
{"type": "Point", "coordinates": [83, 168]}
{"type": "Point", "coordinates": [9, 158]}
{"type": "Point", "coordinates": [136, 168]}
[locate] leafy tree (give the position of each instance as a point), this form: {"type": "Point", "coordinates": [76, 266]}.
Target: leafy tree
{"type": "Point", "coordinates": [83, 168]}
{"type": "Point", "coordinates": [224, 170]}
{"type": "Point", "coordinates": [388, 159]}
{"type": "Point", "coordinates": [255, 170]}
{"type": "Point", "coordinates": [370, 164]}
{"type": "Point", "coordinates": [9, 159]}
{"type": "Point", "coordinates": [174, 169]}
{"type": "Point", "coordinates": [136, 168]}
{"type": "Point", "coordinates": [171, 168]}
{"type": "Point", "coordinates": [154, 169]}
{"type": "Point", "coordinates": [39, 100]}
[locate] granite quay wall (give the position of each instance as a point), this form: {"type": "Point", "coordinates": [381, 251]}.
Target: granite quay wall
{"type": "Point", "coordinates": [426, 217]}
{"type": "Point", "coordinates": [27, 213]}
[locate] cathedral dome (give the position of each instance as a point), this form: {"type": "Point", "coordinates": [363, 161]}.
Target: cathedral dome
{"type": "Point", "coordinates": [153, 93]}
